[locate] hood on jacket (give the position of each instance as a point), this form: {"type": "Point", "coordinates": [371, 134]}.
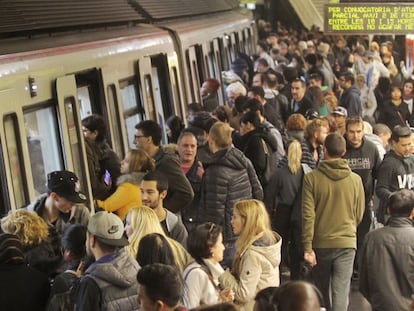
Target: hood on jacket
{"type": "Point", "coordinates": [121, 271]}
{"type": "Point", "coordinates": [269, 250]}
{"type": "Point", "coordinates": [354, 89]}
{"type": "Point", "coordinates": [395, 158]}
{"type": "Point", "coordinates": [335, 169]}
{"type": "Point", "coordinates": [232, 157]}
{"type": "Point", "coordinates": [133, 178]}
{"type": "Point", "coordinates": [265, 135]}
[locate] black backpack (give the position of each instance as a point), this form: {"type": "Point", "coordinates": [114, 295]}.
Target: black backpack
{"type": "Point", "coordinates": [64, 301]}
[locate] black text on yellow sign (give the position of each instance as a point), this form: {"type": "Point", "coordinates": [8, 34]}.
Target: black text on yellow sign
{"type": "Point", "coordinates": [367, 18]}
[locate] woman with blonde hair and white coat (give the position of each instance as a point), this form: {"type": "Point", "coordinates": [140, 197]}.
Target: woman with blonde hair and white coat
{"type": "Point", "coordinates": [257, 259]}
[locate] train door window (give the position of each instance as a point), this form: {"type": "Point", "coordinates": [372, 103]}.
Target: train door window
{"type": "Point", "coordinates": [249, 43]}
{"type": "Point", "coordinates": [4, 197]}
{"type": "Point", "coordinates": [118, 142]}
{"type": "Point", "coordinates": [43, 143]}
{"type": "Point", "coordinates": [90, 93]}
{"type": "Point", "coordinates": [201, 69]}
{"type": "Point", "coordinates": [133, 111]}
{"type": "Point", "coordinates": [158, 104]}
{"type": "Point", "coordinates": [162, 84]}
{"type": "Point", "coordinates": [212, 64]}
{"type": "Point", "coordinates": [175, 84]}
{"type": "Point", "coordinates": [84, 101]}
{"type": "Point", "coordinates": [223, 55]}
{"type": "Point", "coordinates": [190, 75]}
{"type": "Point", "coordinates": [197, 71]}
{"type": "Point", "coordinates": [14, 151]}
{"type": "Point", "coordinates": [74, 139]}
{"type": "Point", "coordinates": [231, 41]}
{"type": "Point", "coordinates": [237, 43]}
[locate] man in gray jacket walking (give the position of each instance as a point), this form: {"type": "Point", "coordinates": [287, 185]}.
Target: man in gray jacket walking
{"type": "Point", "coordinates": [386, 277]}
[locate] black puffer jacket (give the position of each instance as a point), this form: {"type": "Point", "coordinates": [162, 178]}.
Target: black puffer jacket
{"type": "Point", "coordinates": [228, 178]}
{"type": "Point", "coordinates": [254, 144]}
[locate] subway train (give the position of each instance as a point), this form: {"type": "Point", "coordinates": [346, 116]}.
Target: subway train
{"type": "Point", "coordinates": [143, 68]}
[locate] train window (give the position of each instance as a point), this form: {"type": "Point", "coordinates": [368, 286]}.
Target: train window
{"type": "Point", "coordinates": [43, 144]}
{"type": "Point", "coordinates": [132, 109]}
{"type": "Point", "coordinates": [159, 107]}
{"type": "Point", "coordinates": [190, 75]}
{"type": "Point", "coordinates": [84, 98]}
{"type": "Point", "coordinates": [225, 65]}
{"type": "Point", "coordinates": [75, 140]}
{"type": "Point", "coordinates": [197, 78]}
{"type": "Point", "coordinates": [176, 86]}
{"type": "Point", "coordinates": [4, 197]}
{"type": "Point", "coordinates": [14, 152]}
{"type": "Point", "coordinates": [118, 145]}
{"type": "Point", "coordinates": [149, 97]}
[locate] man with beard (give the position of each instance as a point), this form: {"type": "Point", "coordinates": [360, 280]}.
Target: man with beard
{"type": "Point", "coordinates": [363, 159]}
{"type": "Point", "coordinates": [315, 134]}
{"type": "Point", "coordinates": [110, 282]}
{"type": "Point", "coordinates": [397, 169]}
{"type": "Point", "coordinates": [154, 187]}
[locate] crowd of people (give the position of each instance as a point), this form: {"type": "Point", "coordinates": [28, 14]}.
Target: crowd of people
{"type": "Point", "coordinates": [310, 152]}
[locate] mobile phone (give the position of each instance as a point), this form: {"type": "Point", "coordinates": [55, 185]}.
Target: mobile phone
{"type": "Point", "coordinates": [107, 178]}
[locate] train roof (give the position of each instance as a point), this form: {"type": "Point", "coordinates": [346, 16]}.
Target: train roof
{"type": "Point", "coordinates": [23, 18]}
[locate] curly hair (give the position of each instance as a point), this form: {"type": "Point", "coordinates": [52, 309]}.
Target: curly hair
{"type": "Point", "coordinates": [28, 226]}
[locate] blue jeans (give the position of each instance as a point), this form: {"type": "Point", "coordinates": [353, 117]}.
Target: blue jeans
{"type": "Point", "coordinates": [332, 275]}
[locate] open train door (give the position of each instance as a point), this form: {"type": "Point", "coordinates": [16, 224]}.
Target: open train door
{"type": "Point", "coordinates": [151, 93]}
{"type": "Point", "coordinates": [13, 190]}
{"type": "Point", "coordinates": [71, 130]}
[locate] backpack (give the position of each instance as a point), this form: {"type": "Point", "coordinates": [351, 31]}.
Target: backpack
{"type": "Point", "coordinates": [64, 301]}
{"type": "Point", "coordinates": [269, 170]}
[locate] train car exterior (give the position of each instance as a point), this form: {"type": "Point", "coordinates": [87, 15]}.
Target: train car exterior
{"type": "Point", "coordinates": [49, 84]}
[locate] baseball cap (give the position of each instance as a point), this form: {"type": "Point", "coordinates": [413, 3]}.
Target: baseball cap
{"type": "Point", "coordinates": [65, 184]}
{"type": "Point", "coordinates": [340, 111]}
{"type": "Point", "coordinates": [108, 228]}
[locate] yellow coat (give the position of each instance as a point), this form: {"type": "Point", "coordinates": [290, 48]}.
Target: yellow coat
{"type": "Point", "coordinates": [126, 196]}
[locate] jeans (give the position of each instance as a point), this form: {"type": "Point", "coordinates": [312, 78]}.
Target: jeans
{"type": "Point", "coordinates": [332, 275]}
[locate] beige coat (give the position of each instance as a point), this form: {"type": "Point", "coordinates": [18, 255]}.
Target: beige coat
{"type": "Point", "coordinates": [259, 269]}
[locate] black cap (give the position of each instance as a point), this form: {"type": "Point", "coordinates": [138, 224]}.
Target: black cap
{"type": "Point", "coordinates": [66, 185]}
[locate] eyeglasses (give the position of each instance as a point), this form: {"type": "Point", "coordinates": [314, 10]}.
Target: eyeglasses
{"type": "Point", "coordinates": [139, 136]}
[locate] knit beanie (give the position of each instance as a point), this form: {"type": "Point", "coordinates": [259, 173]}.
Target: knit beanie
{"type": "Point", "coordinates": [11, 249]}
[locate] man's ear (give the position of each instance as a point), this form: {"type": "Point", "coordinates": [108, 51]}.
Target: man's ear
{"type": "Point", "coordinates": [159, 305]}
{"type": "Point", "coordinates": [54, 196]}
{"type": "Point", "coordinates": [163, 194]}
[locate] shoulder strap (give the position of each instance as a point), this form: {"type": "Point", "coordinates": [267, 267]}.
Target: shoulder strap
{"type": "Point", "coordinates": [401, 118]}
{"type": "Point", "coordinates": [266, 150]}
{"type": "Point", "coordinates": [206, 270]}
{"type": "Point", "coordinates": [189, 271]}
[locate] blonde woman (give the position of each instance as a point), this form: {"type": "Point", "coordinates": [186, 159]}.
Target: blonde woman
{"type": "Point", "coordinates": [128, 193]}
{"type": "Point", "coordinates": [285, 199]}
{"type": "Point", "coordinates": [257, 259]}
{"type": "Point", "coordinates": [41, 243]}
{"type": "Point", "coordinates": [141, 221]}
